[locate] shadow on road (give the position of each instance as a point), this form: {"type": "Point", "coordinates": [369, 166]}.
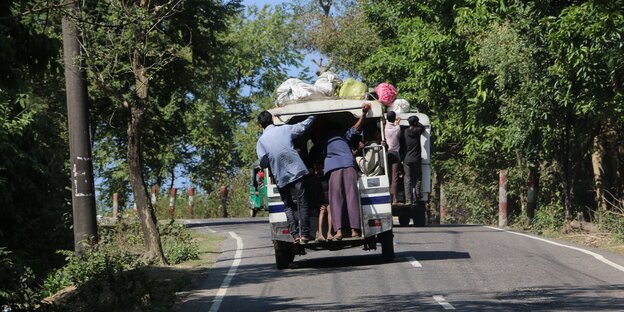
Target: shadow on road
{"type": "Point", "coordinates": [542, 298]}
{"type": "Point", "coordinates": [430, 255]}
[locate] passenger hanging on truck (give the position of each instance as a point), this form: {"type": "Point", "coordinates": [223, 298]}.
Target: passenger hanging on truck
{"type": "Point", "coordinates": [392, 133]}
{"type": "Point", "coordinates": [341, 167]}
{"type": "Point", "coordinates": [288, 169]}
{"type": "Point", "coordinates": [411, 161]}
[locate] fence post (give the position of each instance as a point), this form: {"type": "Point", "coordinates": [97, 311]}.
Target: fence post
{"type": "Point", "coordinates": [191, 201]}
{"type": "Point", "coordinates": [154, 197]}
{"type": "Point", "coordinates": [115, 205]}
{"type": "Point", "coordinates": [502, 198]}
{"type": "Point", "coordinates": [532, 194]}
{"type": "Point", "coordinates": [172, 196]}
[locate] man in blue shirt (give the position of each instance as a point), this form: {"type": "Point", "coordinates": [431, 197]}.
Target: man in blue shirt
{"type": "Point", "coordinates": [276, 143]}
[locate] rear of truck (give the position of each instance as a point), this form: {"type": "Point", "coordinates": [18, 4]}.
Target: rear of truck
{"type": "Point", "coordinates": [375, 208]}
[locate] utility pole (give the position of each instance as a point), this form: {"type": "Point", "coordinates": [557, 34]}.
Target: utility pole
{"type": "Point", "coordinates": [83, 190]}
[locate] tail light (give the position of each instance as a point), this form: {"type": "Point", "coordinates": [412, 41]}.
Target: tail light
{"type": "Point", "coordinates": [374, 223]}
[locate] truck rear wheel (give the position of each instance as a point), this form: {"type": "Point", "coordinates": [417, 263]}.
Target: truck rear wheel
{"type": "Point", "coordinates": [404, 219]}
{"type": "Point", "coordinates": [419, 214]}
{"type": "Point", "coordinates": [387, 246]}
{"type": "Point", "coordinates": [284, 254]}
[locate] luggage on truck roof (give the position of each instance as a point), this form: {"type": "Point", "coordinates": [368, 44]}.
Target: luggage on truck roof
{"type": "Point", "coordinates": [282, 115]}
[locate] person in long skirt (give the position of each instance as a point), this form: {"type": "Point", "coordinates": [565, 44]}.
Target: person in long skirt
{"type": "Point", "coordinates": [341, 167]}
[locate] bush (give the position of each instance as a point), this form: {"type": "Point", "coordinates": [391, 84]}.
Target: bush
{"type": "Point", "coordinates": [111, 275]}
{"type": "Point", "coordinates": [17, 289]}
{"type": "Point", "coordinates": [548, 218]}
{"type": "Point", "coordinates": [613, 221]}
{"type": "Point", "coordinates": [207, 204]}
{"type": "Point", "coordinates": [469, 198]}
{"type": "Point", "coordinates": [178, 244]}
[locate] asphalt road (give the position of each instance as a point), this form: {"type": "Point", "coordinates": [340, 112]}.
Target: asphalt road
{"type": "Point", "coordinates": [466, 268]}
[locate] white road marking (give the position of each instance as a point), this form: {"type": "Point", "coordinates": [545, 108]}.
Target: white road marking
{"type": "Point", "coordinates": [216, 303]}
{"type": "Point", "coordinates": [414, 262]}
{"type": "Point", "coordinates": [598, 257]}
{"type": "Point", "coordinates": [212, 231]}
{"type": "Point", "coordinates": [441, 301]}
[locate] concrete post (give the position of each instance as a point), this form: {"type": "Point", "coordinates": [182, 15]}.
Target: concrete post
{"type": "Point", "coordinates": [502, 198]}
{"type": "Point", "coordinates": [191, 201]}
{"type": "Point", "coordinates": [82, 181]}
{"type": "Point", "coordinates": [442, 204]}
{"type": "Point", "coordinates": [154, 197]}
{"type": "Point", "coordinates": [172, 196]}
{"type": "Point", "coordinates": [115, 205]}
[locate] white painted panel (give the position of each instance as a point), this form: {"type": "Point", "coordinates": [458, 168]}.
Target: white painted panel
{"type": "Point", "coordinates": [277, 217]}
{"type": "Point", "coordinates": [377, 209]}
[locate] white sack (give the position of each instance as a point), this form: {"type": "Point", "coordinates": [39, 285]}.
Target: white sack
{"type": "Point", "coordinates": [327, 83]}
{"type": "Point", "coordinates": [295, 89]}
{"type": "Point", "coordinates": [401, 106]}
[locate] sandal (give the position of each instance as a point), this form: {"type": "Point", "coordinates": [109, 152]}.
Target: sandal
{"type": "Point", "coordinates": [303, 239]}
{"type": "Point", "coordinates": [337, 237]}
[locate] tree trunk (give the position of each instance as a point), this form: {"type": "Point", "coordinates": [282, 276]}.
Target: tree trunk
{"type": "Point", "coordinates": [532, 192]}
{"type": "Point", "coordinates": [145, 210]}
{"type": "Point", "coordinates": [567, 180]}
{"type": "Point", "coordinates": [597, 158]}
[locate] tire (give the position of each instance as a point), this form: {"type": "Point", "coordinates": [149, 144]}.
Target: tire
{"type": "Point", "coordinates": [387, 246]}
{"type": "Point", "coordinates": [404, 218]}
{"type": "Point", "coordinates": [283, 254]}
{"type": "Point", "coordinates": [419, 214]}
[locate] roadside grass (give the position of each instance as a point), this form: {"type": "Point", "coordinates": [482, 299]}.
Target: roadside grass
{"type": "Point", "coordinates": [144, 287]}
{"type": "Point", "coordinates": [171, 281]}
{"type": "Point", "coordinates": [604, 241]}
{"type": "Point", "coordinates": [601, 240]}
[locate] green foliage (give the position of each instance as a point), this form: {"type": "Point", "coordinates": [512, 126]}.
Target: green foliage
{"type": "Point", "coordinates": [177, 243]}
{"type": "Point", "coordinates": [548, 218]}
{"type": "Point", "coordinates": [34, 173]}
{"type": "Point", "coordinates": [501, 94]}
{"type": "Point", "coordinates": [207, 204]}
{"type": "Point", "coordinates": [470, 199]}
{"type": "Point", "coordinates": [613, 220]}
{"type": "Point", "coordinates": [18, 289]}
{"type": "Point", "coordinates": [112, 273]}
{"type": "Point", "coordinates": [114, 253]}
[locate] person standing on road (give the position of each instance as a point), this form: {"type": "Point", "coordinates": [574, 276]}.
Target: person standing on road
{"type": "Point", "coordinates": [392, 132]}
{"type": "Point", "coordinates": [412, 159]}
{"type": "Point", "coordinates": [341, 167]}
{"type": "Point", "coordinates": [288, 169]}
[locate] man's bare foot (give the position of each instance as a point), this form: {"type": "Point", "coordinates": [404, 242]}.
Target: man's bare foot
{"type": "Point", "coordinates": [354, 233]}
{"type": "Point", "coordinates": [338, 235]}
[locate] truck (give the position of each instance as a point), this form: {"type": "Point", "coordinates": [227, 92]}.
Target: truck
{"type": "Point", "coordinates": [374, 200]}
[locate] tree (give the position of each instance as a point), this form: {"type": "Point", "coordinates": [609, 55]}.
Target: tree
{"type": "Point", "coordinates": [133, 50]}
{"type": "Point", "coordinates": [34, 175]}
